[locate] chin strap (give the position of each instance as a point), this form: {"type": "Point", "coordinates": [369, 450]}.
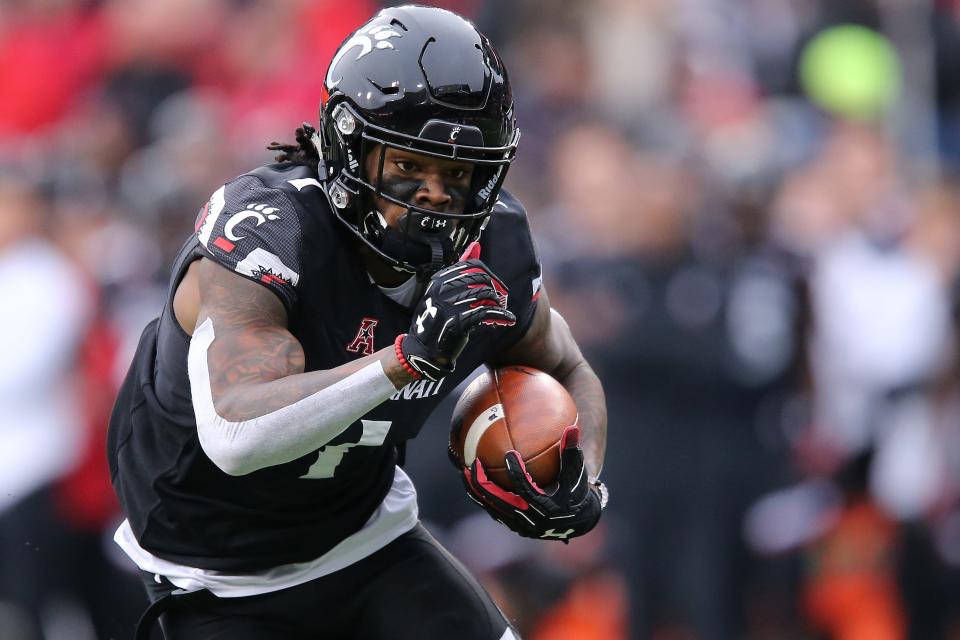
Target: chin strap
{"type": "Point", "coordinates": [423, 255]}
{"type": "Point", "coordinates": [437, 254]}
{"type": "Point", "coordinates": [441, 255]}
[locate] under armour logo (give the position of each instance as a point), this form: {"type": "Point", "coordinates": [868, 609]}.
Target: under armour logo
{"type": "Point", "coordinates": [553, 533]}
{"type": "Point", "coordinates": [430, 311]}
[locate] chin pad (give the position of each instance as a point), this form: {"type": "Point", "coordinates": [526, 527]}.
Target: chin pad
{"type": "Point", "coordinates": [429, 251]}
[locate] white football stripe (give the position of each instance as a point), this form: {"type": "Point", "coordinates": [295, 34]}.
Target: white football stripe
{"type": "Point", "coordinates": [476, 430]}
{"type": "Point", "coordinates": [300, 183]}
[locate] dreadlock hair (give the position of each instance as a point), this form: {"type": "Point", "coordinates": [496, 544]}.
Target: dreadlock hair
{"type": "Point", "coordinates": [303, 152]}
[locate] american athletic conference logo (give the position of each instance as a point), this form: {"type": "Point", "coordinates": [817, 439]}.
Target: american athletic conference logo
{"type": "Point", "coordinates": [363, 343]}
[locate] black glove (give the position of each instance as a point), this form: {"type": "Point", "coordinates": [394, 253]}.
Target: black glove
{"type": "Point", "coordinates": [457, 300]}
{"type": "Point", "coordinates": [572, 510]}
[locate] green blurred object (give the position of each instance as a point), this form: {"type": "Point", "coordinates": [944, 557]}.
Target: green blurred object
{"type": "Point", "coordinates": [851, 71]}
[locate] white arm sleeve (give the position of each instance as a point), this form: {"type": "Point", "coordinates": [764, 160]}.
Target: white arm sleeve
{"type": "Point", "coordinates": [239, 448]}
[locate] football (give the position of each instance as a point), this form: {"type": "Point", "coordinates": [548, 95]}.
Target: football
{"type": "Point", "coordinates": [512, 408]}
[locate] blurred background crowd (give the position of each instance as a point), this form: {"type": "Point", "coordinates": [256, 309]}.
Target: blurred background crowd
{"type": "Point", "coordinates": [747, 210]}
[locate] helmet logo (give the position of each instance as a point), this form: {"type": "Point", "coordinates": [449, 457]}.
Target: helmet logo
{"type": "Point", "coordinates": [365, 38]}
{"type": "Point", "coordinates": [487, 189]}
{"type": "Point", "coordinates": [454, 134]}
{"type": "Point", "coordinates": [351, 161]}
{"type": "Point", "coordinates": [430, 223]}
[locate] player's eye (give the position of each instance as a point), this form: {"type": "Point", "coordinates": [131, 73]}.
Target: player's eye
{"type": "Point", "coordinates": [459, 173]}
{"type": "Point", "coordinates": [405, 166]}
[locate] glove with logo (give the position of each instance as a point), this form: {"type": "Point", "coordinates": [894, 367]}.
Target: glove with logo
{"type": "Point", "coordinates": [457, 300]}
{"type": "Point", "coordinates": [572, 510]}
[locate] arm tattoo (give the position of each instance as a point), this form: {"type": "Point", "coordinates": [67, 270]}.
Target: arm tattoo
{"type": "Point", "coordinates": [256, 365]}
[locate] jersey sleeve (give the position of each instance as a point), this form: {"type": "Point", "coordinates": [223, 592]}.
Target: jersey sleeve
{"type": "Point", "coordinates": [255, 231]}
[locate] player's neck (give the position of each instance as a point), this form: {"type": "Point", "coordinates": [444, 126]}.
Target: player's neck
{"type": "Point", "coordinates": [382, 273]}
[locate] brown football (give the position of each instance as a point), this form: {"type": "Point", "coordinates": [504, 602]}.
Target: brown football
{"type": "Point", "coordinates": [512, 408]}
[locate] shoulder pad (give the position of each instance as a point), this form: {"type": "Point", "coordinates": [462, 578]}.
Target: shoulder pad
{"type": "Point", "coordinates": [254, 229]}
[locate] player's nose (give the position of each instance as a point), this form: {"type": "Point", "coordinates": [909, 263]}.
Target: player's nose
{"type": "Point", "coordinates": [432, 193]}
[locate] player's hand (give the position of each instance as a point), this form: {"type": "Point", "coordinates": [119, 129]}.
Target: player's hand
{"type": "Point", "coordinates": [571, 510]}
{"type": "Point", "coordinates": [457, 300]}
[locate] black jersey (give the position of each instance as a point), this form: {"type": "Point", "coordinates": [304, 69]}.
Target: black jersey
{"type": "Point", "coordinates": [273, 226]}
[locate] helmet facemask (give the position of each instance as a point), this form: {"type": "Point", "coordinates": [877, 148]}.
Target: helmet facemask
{"type": "Point", "coordinates": [424, 240]}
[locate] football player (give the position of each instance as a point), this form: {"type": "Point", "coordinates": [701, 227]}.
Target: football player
{"type": "Point", "coordinates": [323, 307]}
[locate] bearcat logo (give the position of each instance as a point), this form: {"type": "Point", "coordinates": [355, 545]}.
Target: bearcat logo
{"type": "Point", "coordinates": [363, 343]}
{"type": "Point", "coordinates": [432, 223]}
{"type": "Point", "coordinates": [260, 214]}
{"type": "Point", "coordinates": [364, 38]}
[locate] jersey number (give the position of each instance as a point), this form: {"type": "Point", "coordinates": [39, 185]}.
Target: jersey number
{"type": "Point", "coordinates": [374, 433]}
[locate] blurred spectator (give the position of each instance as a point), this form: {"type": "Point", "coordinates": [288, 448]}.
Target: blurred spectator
{"type": "Point", "coordinates": [881, 313]}
{"type": "Point", "coordinates": [697, 341]}
{"type": "Point", "coordinates": [50, 53]}
{"type": "Point", "coordinates": [47, 307]}
{"type": "Point", "coordinates": [881, 256]}
{"type": "Point", "coordinates": [851, 591]}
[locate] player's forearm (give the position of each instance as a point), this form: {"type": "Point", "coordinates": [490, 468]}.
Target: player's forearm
{"type": "Point", "coordinates": [549, 346]}
{"type": "Point", "coordinates": [258, 422]}
{"type": "Point", "coordinates": [584, 385]}
{"type": "Point", "coordinates": [576, 375]}
{"type": "Point", "coordinates": [250, 386]}
{"type": "Point", "coordinates": [253, 400]}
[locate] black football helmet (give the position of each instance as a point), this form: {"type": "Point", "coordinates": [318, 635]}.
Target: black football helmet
{"type": "Point", "coordinates": [423, 80]}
